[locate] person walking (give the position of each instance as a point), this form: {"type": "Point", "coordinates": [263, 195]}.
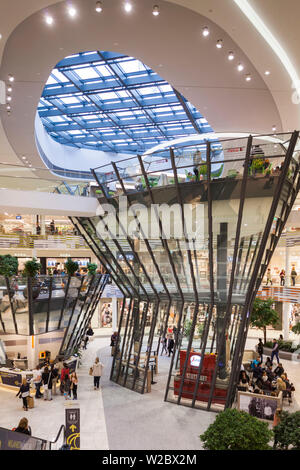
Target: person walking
{"type": "Point", "coordinates": [67, 387]}
{"type": "Point", "coordinates": [23, 427]}
{"type": "Point", "coordinates": [170, 345]}
{"type": "Point", "coordinates": [269, 277]}
{"type": "Point", "coordinates": [97, 370]}
{"type": "Point", "coordinates": [65, 371]}
{"type": "Point", "coordinates": [282, 277]}
{"type": "Point", "coordinates": [164, 345]}
{"type": "Point", "coordinates": [37, 381]}
{"type": "Point", "coordinates": [54, 373]}
{"type": "Point", "coordinates": [275, 351]}
{"type": "Point", "coordinates": [293, 276]}
{"type": "Point", "coordinates": [24, 392]}
{"type": "Point", "coordinates": [74, 384]}
{"type": "Point", "coordinates": [260, 350]}
{"type": "Point", "coordinates": [47, 382]}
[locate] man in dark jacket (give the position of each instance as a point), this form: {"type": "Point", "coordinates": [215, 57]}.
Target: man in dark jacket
{"type": "Point", "coordinates": [275, 351]}
{"type": "Point", "coordinates": [170, 345]}
{"type": "Point", "coordinates": [260, 350]}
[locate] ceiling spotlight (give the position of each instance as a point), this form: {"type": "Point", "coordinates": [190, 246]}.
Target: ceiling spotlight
{"type": "Point", "coordinates": [155, 10]}
{"type": "Point", "coordinates": [248, 77]}
{"type": "Point", "coordinates": [128, 7]}
{"type": "Point", "coordinates": [267, 72]}
{"type": "Point", "coordinates": [72, 11]}
{"type": "Point", "coordinates": [205, 31]}
{"type": "Point", "coordinates": [98, 7]}
{"type": "Point", "coordinates": [230, 55]}
{"type": "Point", "coordinates": [240, 67]}
{"type": "Point", "coordinates": [8, 98]}
{"type": "Point", "coordinates": [49, 20]}
{"type": "Point", "coordinates": [9, 89]}
{"type": "Point", "coordinates": [274, 128]}
{"type": "Point", "coordinates": [219, 44]}
{"type": "Point", "coordinates": [24, 158]}
{"type": "Point", "coordinates": [0, 36]}
{"type": "Point", "coordinates": [8, 107]}
{"type": "Point", "coordinates": [11, 78]}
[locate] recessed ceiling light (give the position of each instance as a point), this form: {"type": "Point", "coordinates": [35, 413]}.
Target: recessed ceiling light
{"type": "Point", "coordinates": [8, 107]}
{"type": "Point", "coordinates": [24, 158]}
{"type": "Point", "coordinates": [205, 31]}
{"type": "Point", "coordinates": [11, 78]}
{"type": "Point", "coordinates": [127, 7]}
{"type": "Point", "coordinates": [49, 20]}
{"type": "Point", "coordinates": [0, 36]}
{"type": "Point", "coordinates": [8, 98]}
{"type": "Point", "coordinates": [230, 55]}
{"type": "Point", "coordinates": [72, 11]}
{"type": "Point", "coordinates": [267, 72]}
{"type": "Point", "coordinates": [248, 77]}
{"type": "Point", "coordinates": [9, 89]}
{"type": "Point", "coordinates": [240, 67]}
{"type": "Point", "coordinates": [274, 128]}
{"type": "Point", "coordinates": [219, 44]}
{"type": "Point", "coordinates": [155, 11]}
{"type": "Point", "coordinates": [98, 7]}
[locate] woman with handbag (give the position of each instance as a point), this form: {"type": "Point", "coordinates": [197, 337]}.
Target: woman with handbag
{"type": "Point", "coordinates": [96, 372]}
{"type": "Point", "coordinates": [47, 382]}
{"type": "Point", "coordinates": [74, 383]}
{"type": "Point", "coordinates": [23, 393]}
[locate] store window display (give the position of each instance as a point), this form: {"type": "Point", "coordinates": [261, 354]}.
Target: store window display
{"type": "Point", "coordinates": [106, 315]}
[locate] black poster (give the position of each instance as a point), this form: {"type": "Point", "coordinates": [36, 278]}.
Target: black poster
{"type": "Point", "coordinates": [10, 378]}
{"type": "Point", "coordinates": [73, 427]}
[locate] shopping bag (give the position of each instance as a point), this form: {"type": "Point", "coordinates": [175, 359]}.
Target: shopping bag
{"type": "Point", "coordinates": [30, 402]}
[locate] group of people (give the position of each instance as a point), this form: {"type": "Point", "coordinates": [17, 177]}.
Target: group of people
{"type": "Point", "coordinates": [262, 378]}
{"type": "Point", "coordinates": [47, 377]}
{"type": "Point", "coordinates": [282, 277]}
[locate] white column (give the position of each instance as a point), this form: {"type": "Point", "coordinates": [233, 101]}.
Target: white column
{"type": "Point", "coordinates": [285, 320]}
{"type": "Point", "coordinates": [31, 352]}
{"type": "Point", "coordinates": [42, 225]}
{"type": "Point", "coordinates": [287, 265]}
{"type": "Point", "coordinates": [114, 306]}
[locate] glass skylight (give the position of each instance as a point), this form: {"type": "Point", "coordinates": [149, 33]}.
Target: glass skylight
{"type": "Point", "coordinates": [114, 102]}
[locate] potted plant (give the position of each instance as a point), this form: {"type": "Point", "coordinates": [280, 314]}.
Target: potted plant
{"type": "Point", "coordinates": [31, 269]}
{"type": "Point", "coordinates": [71, 267]}
{"type": "Point", "coordinates": [92, 268]}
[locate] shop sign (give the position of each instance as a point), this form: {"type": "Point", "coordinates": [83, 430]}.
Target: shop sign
{"type": "Point", "coordinates": [11, 379]}
{"type": "Point", "coordinates": [195, 361]}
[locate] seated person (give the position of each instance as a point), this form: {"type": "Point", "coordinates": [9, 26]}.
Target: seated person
{"type": "Point", "coordinates": [254, 362]}
{"type": "Point", "coordinates": [243, 375]}
{"type": "Point", "coordinates": [289, 388]}
{"type": "Point", "coordinates": [268, 362]}
{"type": "Point", "coordinates": [270, 373]}
{"type": "Point", "coordinates": [265, 384]}
{"type": "Point", "coordinates": [280, 385]}
{"type": "Point", "coordinates": [257, 371]}
{"type": "Point", "coordinates": [244, 382]}
{"type": "Point", "coordinates": [279, 370]}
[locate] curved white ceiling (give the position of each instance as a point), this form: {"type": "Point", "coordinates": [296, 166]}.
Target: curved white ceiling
{"type": "Point", "coordinates": [231, 104]}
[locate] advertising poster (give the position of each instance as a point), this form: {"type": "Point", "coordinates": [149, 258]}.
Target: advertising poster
{"type": "Point", "coordinates": [10, 378]}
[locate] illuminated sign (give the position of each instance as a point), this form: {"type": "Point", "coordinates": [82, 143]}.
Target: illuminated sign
{"type": "Point", "coordinates": [195, 361]}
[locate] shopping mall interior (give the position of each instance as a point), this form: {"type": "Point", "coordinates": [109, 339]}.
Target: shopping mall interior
{"type": "Point", "coordinates": [149, 222]}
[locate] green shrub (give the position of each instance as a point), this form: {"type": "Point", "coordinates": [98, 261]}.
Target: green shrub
{"type": "Point", "coordinates": [296, 329]}
{"type": "Point", "coordinates": [31, 268]}
{"type": "Point", "coordinates": [92, 268]}
{"type": "Point", "coordinates": [8, 265]}
{"type": "Point", "coordinates": [263, 315]}
{"type": "Point", "coordinates": [237, 430]}
{"type": "Point", "coordinates": [71, 267]}
{"type": "Point", "coordinates": [287, 431]}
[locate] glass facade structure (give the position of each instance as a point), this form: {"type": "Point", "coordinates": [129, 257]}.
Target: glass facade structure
{"type": "Point", "coordinates": [187, 240]}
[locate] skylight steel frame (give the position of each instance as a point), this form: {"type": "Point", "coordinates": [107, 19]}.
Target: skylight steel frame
{"type": "Point", "coordinates": [130, 121]}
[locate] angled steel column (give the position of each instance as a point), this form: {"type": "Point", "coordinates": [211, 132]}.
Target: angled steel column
{"type": "Point", "coordinates": [135, 254]}
{"type": "Point", "coordinates": [135, 307]}
{"type": "Point", "coordinates": [30, 318]}
{"type": "Point", "coordinates": [150, 340]}
{"type": "Point", "coordinates": [118, 340]}
{"type": "Point", "coordinates": [141, 338]}
{"type": "Point", "coordinates": [64, 302]}
{"type": "Point", "coordinates": [106, 262]}
{"type": "Point", "coordinates": [150, 251]}
{"type": "Point", "coordinates": [221, 344]}
{"type": "Point", "coordinates": [49, 303]}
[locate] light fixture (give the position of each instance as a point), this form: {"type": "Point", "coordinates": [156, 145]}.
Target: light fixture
{"type": "Point", "coordinates": [248, 77]}
{"type": "Point", "coordinates": [230, 55]}
{"type": "Point", "coordinates": [49, 20]}
{"type": "Point", "coordinates": [72, 11]}
{"type": "Point", "coordinates": [205, 31]}
{"type": "Point", "coordinates": [240, 67]}
{"type": "Point", "coordinates": [8, 107]}
{"type": "Point", "coordinates": [127, 7]}
{"type": "Point", "coordinates": [98, 7]}
{"type": "Point", "coordinates": [267, 72]}
{"type": "Point", "coordinates": [11, 78]}
{"type": "Point", "coordinates": [24, 158]}
{"type": "Point", "coordinates": [219, 44]}
{"type": "Point", "coordinates": [155, 11]}
{"type": "Point", "coordinates": [0, 36]}
{"type": "Point", "coordinates": [8, 98]}
{"type": "Point", "coordinates": [9, 89]}
{"type": "Point", "coordinates": [274, 128]}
